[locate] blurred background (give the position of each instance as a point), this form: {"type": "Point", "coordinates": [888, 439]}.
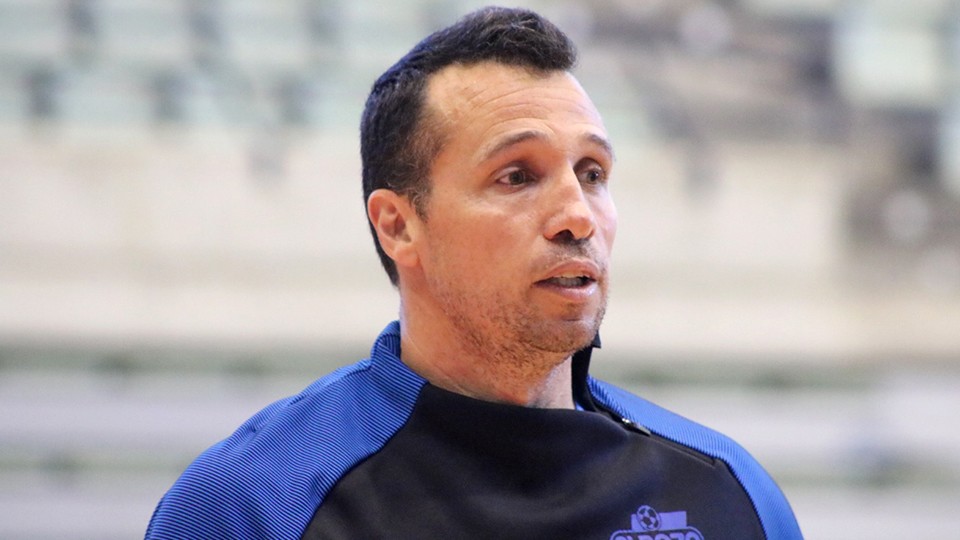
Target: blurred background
{"type": "Point", "coordinates": [182, 236]}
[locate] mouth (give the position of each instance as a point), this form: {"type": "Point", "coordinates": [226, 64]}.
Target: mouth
{"type": "Point", "coordinates": [572, 281]}
{"type": "Point", "coordinates": [572, 275]}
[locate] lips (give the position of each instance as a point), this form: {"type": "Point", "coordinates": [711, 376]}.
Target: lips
{"type": "Point", "coordinates": [569, 281]}
{"type": "Point", "coordinates": [572, 274]}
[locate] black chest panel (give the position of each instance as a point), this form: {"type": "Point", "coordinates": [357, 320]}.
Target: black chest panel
{"type": "Point", "coordinates": [462, 468]}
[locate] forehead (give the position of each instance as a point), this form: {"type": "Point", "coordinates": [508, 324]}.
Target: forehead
{"type": "Point", "coordinates": [485, 100]}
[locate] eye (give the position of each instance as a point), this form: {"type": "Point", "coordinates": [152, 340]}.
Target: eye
{"type": "Point", "coordinates": [516, 177]}
{"type": "Point", "coordinates": [592, 174]}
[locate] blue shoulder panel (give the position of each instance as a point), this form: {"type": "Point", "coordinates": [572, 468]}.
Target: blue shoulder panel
{"type": "Point", "coordinates": [776, 516]}
{"type": "Point", "coordinates": [268, 478]}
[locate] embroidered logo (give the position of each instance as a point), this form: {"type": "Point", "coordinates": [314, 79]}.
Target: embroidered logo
{"type": "Point", "coordinates": [648, 524]}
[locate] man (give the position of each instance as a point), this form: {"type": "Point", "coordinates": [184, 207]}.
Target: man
{"type": "Point", "coordinates": [485, 172]}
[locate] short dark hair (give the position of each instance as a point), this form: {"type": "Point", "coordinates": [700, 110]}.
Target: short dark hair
{"type": "Point", "coordinates": [398, 141]}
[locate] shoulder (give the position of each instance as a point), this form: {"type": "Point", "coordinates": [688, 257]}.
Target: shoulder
{"type": "Point", "coordinates": [772, 507]}
{"type": "Point", "coordinates": [267, 479]}
{"type": "Point", "coordinates": [664, 422]}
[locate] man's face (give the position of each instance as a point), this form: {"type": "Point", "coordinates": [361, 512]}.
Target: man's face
{"type": "Point", "coordinates": [519, 221]}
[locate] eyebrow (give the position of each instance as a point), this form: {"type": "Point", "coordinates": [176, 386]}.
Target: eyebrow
{"type": "Point", "coordinates": [603, 143]}
{"type": "Point", "coordinates": [525, 136]}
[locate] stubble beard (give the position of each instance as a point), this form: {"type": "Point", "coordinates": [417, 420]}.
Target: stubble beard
{"type": "Point", "coordinates": [512, 335]}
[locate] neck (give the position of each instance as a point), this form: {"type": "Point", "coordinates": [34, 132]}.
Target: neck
{"type": "Point", "coordinates": [501, 374]}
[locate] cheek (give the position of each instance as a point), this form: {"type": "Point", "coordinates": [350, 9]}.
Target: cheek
{"type": "Point", "coordinates": [480, 236]}
{"type": "Point", "coordinates": [491, 244]}
{"type": "Point", "coordinates": [468, 246]}
{"type": "Point", "coordinates": [606, 215]}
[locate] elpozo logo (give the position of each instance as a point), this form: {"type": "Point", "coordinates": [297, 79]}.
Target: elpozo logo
{"type": "Point", "coordinates": [648, 524]}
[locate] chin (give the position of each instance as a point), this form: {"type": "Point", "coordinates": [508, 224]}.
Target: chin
{"type": "Point", "coordinates": [567, 337]}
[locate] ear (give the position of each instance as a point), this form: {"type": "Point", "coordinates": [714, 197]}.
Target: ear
{"type": "Point", "coordinates": [396, 223]}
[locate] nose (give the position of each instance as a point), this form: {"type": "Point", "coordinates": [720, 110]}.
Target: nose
{"type": "Point", "coordinates": [571, 218]}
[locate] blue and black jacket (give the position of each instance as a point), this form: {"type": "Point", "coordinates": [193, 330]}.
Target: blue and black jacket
{"type": "Point", "coordinates": [375, 451]}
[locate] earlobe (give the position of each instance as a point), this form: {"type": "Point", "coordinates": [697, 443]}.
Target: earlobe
{"type": "Point", "coordinates": [395, 221]}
